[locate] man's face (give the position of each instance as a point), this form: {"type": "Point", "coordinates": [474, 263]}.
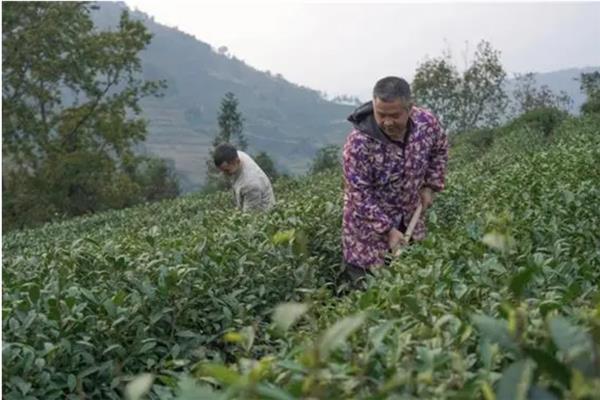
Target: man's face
{"type": "Point", "coordinates": [392, 116]}
{"type": "Point", "coordinates": [230, 168]}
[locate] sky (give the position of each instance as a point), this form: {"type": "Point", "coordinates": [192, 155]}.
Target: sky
{"type": "Point", "coordinates": [343, 48]}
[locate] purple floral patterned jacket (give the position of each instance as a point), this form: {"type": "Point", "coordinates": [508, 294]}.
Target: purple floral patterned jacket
{"type": "Point", "coordinates": [383, 179]}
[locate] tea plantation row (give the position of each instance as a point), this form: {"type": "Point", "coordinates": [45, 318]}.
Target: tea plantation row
{"type": "Point", "coordinates": [501, 300]}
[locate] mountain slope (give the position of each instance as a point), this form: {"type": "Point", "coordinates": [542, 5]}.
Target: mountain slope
{"type": "Point", "coordinates": [288, 121]}
{"type": "Point", "coordinates": [566, 80]}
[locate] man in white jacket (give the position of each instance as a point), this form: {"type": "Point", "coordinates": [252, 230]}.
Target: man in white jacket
{"type": "Point", "coordinates": [251, 186]}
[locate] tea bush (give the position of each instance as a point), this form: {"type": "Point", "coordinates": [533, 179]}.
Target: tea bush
{"type": "Point", "coordinates": [500, 301]}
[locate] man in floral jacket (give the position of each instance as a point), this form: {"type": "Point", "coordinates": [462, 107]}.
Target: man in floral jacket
{"type": "Point", "coordinates": [394, 159]}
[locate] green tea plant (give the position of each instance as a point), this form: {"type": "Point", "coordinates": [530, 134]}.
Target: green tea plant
{"type": "Point", "coordinates": [191, 299]}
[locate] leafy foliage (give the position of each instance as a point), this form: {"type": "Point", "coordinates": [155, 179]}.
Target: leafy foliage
{"type": "Point", "coordinates": [590, 84]}
{"type": "Point", "coordinates": [327, 158]}
{"type": "Point", "coordinates": [157, 178]}
{"type": "Point", "coordinates": [498, 302]}
{"type": "Point", "coordinates": [70, 111]}
{"type": "Point", "coordinates": [231, 123]}
{"type": "Point", "coordinates": [121, 292]}
{"type": "Point", "coordinates": [231, 126]}
{"type": "Point", "coordinates": [544, 119]}
{"type": "Point", "coordinates": [462, 316]}
{"type": "Point", "coordinates": [463, 101]}
{"type": "Point", "coordinates": [267, 165]}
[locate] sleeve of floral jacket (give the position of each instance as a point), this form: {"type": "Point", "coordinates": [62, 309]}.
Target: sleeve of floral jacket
{"type": "Point", "coordinates": [436, 172]}
{"type": "Point", "coordinates": [359, 187]}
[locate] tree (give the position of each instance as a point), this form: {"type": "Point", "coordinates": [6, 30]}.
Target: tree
{"type": "Point", "coordinates": [231, 126]}
{"type": "Point", "coordinates": [590, 84]}
{"type": "Point", "coordinates": [463, 101]}
{"type": "Point", "coordinates": [223, 50]}
{"type": "Point", "coordinates": [267, 165]}
{"type": "Point", "coordinates": [231, 123]}
{"type": "Point", "coordinates": [157, 178]}
{"type": "Point", "coordinates": [328, 157]}
{"type": "Point", "coordinates": [435, 86]}
{"type": "Point", "coordinates": [70, 109]}
{"type": "Point", "coordinates": [528, 96]}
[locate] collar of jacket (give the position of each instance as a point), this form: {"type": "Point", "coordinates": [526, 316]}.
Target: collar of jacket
{"type": "Point", "coordinates": [363, 120]}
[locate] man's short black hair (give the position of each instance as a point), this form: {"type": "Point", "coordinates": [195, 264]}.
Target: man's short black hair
{"type": "Point", "coordinates": [224, 153]}
{"type": "Point", "coordinates": [392, 88]}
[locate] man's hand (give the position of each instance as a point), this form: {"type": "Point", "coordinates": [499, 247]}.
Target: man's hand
{"type": "Point", "coordinates": [426, 197]}
{"type": "Point", "coordinates": [395, 239]}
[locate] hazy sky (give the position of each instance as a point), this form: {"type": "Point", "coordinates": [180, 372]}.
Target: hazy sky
{"type": "Point", "coordinates": [343, 48]}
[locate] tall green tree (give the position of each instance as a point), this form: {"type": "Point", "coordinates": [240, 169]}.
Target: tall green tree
{"type": "Point", "coordinates": [436, 85]}
{"type": "Point", "coordinates": [231, 123]}
{"type": "Point", "coordinates": [231, 127]}
{"type": "Point", "coordinates": [70, 110]}
{"type": "Point", "coordinates": [463, 100]}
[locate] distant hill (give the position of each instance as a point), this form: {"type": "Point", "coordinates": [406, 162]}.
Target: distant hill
{"type": "Point", "coordinates": [565, 80]}
{"type": "Point", "coordinates": [288, 121]}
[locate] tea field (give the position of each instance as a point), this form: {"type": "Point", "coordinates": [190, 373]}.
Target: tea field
{"type": "Point", "coordinates": [189, 299]}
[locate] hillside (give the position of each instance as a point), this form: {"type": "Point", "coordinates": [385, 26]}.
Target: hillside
{"type": "Point", "coordinates": [288, 121]}
{"type": "Point", "coordinates": [501, 297]}
{"type": "Point", "coordinates": [566, 80]}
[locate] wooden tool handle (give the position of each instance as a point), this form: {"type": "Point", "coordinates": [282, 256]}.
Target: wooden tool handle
{"type": "Point", "coordinates": [410, 228]}
{"type": "Point", "coordinates": [413, 223]}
